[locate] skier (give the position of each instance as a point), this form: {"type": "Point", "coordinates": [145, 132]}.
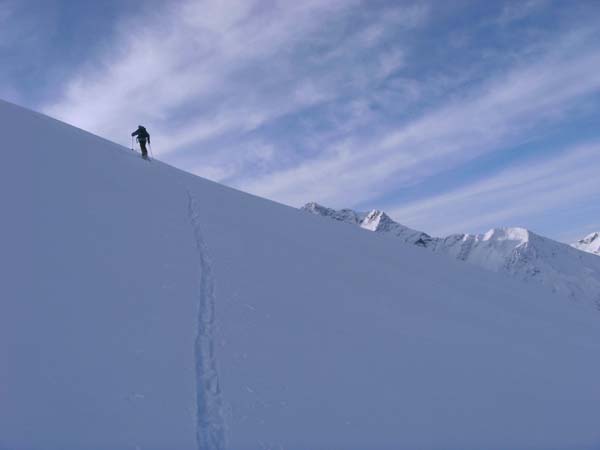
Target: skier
{"type": "Point", "coordinates": [142, 137]}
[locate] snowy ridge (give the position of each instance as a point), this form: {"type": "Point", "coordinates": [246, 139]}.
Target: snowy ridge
{"type": "Point", "coordinates": [374, 220]}
{"type": "Point", "coordinates": [590, 243]}
{"type": "Point", "coordinates": [379, 221]}
{"type": "Point", "coordinates": [210, 433]}
{"type": "Point", "coordinates": [531, 258]}
{"type": "Point", "coordinates": [342, 215]}
{"type": "Point", "coordinates": [516, 251]}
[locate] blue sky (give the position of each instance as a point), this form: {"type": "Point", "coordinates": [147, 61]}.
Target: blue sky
{"type": "Point", "coordinates": [452, 116]}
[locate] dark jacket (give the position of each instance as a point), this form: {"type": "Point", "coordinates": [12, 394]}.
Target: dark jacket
{"type": "Point", "coordinates": [142, 134]}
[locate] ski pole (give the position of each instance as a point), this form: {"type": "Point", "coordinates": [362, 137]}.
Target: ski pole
{"type": "Point", "coordinates": [132, 144]}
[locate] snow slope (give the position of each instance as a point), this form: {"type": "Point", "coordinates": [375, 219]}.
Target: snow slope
{"type": "Point", "coordinates": [145, 308]}
{"type": "Point", "coordinates": [517, 252]}
{"type": "Point", "coordinates": [590, 243]}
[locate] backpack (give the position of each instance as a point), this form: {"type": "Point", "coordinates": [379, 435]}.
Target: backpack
{"type": "Point", "coordinates": [143, 134]}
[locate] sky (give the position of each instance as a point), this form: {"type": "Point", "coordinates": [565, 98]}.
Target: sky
{"type": "Point", "coordinates": [451, 116]}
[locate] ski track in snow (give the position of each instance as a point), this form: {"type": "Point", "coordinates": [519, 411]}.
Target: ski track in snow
{"type": "Point", "coordinates": [210, 428]}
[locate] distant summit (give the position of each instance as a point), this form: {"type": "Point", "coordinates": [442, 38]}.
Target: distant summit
{"type": "Point", "coordinates": [342, 215]}
{"type": "Point", "coordinates": [517, 252]}
{"type": "Point", "coordinates": [373, 221]}
{"type": "Point", "coordinates": [590, 243]}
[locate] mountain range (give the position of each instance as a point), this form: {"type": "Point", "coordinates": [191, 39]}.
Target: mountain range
{"type": "Point", "coordinates": [570, 271]}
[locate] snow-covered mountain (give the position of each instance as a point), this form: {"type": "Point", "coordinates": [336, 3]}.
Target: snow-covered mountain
{"type": "Point", "coordinates": [590, 243]}
{"type": "Point", "coordinates": [516, 251]}
{"type": "Point", "coordinates": [374, 221]}
{"type": "Point", "coordinates": [145, 308]}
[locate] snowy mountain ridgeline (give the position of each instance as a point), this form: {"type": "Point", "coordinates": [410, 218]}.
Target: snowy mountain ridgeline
{"type": "Point", "coordinates": [590, 243]}
{"type": "Point", "coordinates": [516, 251]}
{"type": "Point", "coordinates": [142, 307]}
{"type": "Point", "coordinates": [374, 221]}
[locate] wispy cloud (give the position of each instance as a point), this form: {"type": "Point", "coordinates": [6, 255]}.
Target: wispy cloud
{"type": "Point", "coordinates": [201, 71]}
{"type": "Point", "coordinates": [514, 11]}
{"type": "Point", "coordinates": [493, 116]}
{"type": "Point", "coordinates": [535, 187]}
{"type": "Point", "coordinates": [226, 65]}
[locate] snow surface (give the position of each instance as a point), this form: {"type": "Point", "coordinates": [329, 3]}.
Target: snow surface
{"type": "Point", "coordinates": [145, 308]}
{"type": "Point", "coordinates": [517, 252]}
{"type": "Point", "coordinates": [590, 243]}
